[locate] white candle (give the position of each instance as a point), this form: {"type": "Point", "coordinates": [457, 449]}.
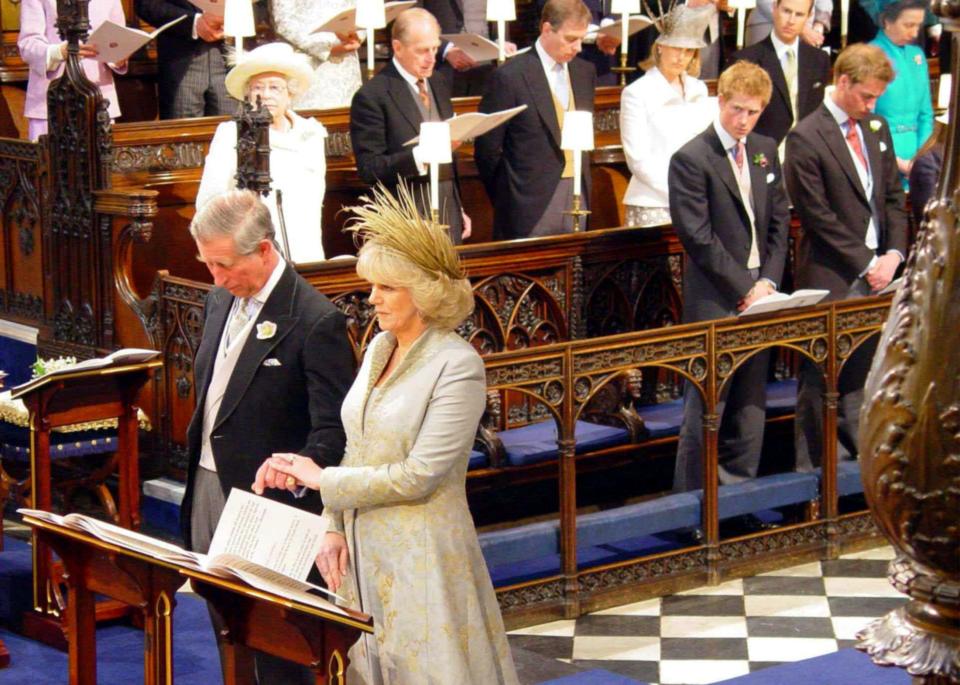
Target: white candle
{"type": "Point", "coordinates": [370, 50]}
{"type": "Point", "coordinates": [943, 91]}
{"type": "Point", "coordinates": [501, 38]}
{"type": "Point", "coordinates": [434, 186]}
{"type": "Point", "coordinates": [577, 173]}
{"type": "Point", "coordinates": [624, 33]}
{"type": "Point", "coordinates": [844, 19]}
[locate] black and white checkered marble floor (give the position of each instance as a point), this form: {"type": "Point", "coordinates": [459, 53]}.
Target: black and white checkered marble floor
{"type": "Point", "coordinates": [714, 633]}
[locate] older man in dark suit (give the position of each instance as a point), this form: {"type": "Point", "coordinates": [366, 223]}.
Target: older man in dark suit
{"type": "Point", "coordinates": [191, 65]}
{"type": "Point", "coordinates": [841, 171]}
{"type": "Point", "coordinates": [387, 112]}
{"type": "Point", "coordinates": [730, 213]}
{"type": "Point", "coordinates": [528, 178]}
{"type": "Point", "coordinates": [799, 71]}
{"type": "Point", "coordinates": [271, 372]}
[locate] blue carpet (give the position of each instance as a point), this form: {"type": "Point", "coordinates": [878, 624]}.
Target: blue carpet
{"type": "Point", "coordinates": [597, 677]}
{"type": "Point", "coordinates": [120, 652]}
{"type": "Point", "coordinates": [840, 668]}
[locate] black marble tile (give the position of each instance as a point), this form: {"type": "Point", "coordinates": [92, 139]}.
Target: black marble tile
{"type": "Point", "coordinates": [855, 568]}
{"type": "Point", "coordinates": [702, 605]}
{"type": "Point", "coordinates": [788, 626]}
{"type": "Point", "coordinates": [760, 665]}
{"type": "Point", "coordinates": [783, 585]}
{"type": "Point", "coordinates": [643, 671]}
{"type": "Point", "coordinates": [639, 626]}
{"type": "Point", "coordinates": [533, 668]}
{"type": "Point", "coordinates": [864, 606]}
{"type": "Point", "coordinates": [703, 648]}
{"type": "Point", "coordinates": [550, 646]}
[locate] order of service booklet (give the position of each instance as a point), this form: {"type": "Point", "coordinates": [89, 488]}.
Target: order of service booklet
{"type": "Point", "coordinates": [116, 42]}
{"type": "Point", "coordinates": [472, 124]}
{"type": "Point", "coordinates": [266, 544]}
{"type": "Point", "coordinates": [127, 355]}
{"type": "Point", "coordinates": [777, 301]}
{"type": "Point", "coordinates": [346, 21]}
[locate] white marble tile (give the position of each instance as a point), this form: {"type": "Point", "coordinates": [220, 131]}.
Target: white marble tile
{"type": "Point", "coordinates": [786, 605]}
{"type": "Point", "coordinates": [860, 587]}
{"type": "Point", "coordinates": [811, 570]}
{"type": "Point", "coordinates": [553, 629]}
{"type": "Point", "coordinates": [788, 648]}
{"type": "Point", "coordinates": [618, 647]}
{"type": "Point", "coordinates": [847, 627]}
{"type": "Point", "coordinates": [693, 672]}
{"type": "Point", "coordinates": [648, 607]}
{"type": "Point", "coordinates": [885, 552]}
{"type": "Point", "coordinates": [703, 626]}
{"type": "Point", "coordinates": [729, 587]}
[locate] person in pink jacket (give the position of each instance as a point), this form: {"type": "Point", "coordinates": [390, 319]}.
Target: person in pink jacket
{"type": "Point", "coordinates": [45, 53]}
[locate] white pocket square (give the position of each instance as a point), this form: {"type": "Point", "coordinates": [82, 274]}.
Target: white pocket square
{"type": "Point", "coordinates": [883, 146]}
{"type": "Point", "coordinates": [771, 177]}
{"type": "Point", "coordinates": [273, 361]}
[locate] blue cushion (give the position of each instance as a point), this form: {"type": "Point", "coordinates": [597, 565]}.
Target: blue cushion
{"type": "Point", "coordinates": [542, 567]}
{"type": "Point", "coordinates": [781, 397]}
{"type": "Point", "coordinates": [644, 545]}
{"type": "Point", "coordinates": [478, 460]}
{"type": "Point", "coordinates": [766, 492]}
{"type": "Point", "coordinates": [15, 443]}
{"type": "Point", "coordinates": [669, 512]}
{"type": "Point", "coordinates": [848, 478]}
{"type": "Point", "coordinates": [16, 580]}
{"type": "Point", "coordinates": [662, 420]}
{"type": "Point", "coordinates": [538, 441]}
{"type": "Point", "coordinates": [530, 541]}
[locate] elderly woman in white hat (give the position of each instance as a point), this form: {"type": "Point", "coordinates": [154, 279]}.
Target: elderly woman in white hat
{"type": "Point", "coordinates": [662, 110]}
{"type": "Point", "coordinates": [277, 75]}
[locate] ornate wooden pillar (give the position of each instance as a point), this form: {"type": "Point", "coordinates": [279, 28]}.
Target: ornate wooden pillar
{"type": "Point", "coordinates": [77, 251]}
{"type": "Point", "coordinates": [253, 148]}
{"type": "Point", "coordinates": [910, 433]}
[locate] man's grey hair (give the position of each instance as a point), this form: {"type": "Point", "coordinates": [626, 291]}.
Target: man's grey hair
{"type": "Point", "coordinates": [240, 214]}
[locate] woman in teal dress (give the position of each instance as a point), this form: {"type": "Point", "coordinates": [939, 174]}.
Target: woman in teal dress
{"type": "Point", "coordinates": [906, 103]}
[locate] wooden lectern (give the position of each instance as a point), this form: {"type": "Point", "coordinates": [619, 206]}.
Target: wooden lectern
{"type": "Point", "coordinates": [254, 619]}
{"type": "Point", "coordinates": [63, 399]}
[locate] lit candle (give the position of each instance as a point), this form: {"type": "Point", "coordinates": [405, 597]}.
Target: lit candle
{"type": "Point", "coordinates": [844, 20]}
{"type": "Point", "coordinates": [624, 8]}
{"type": "Point", "coordinates": [742, 6]}
{"type": "Point", "coordinates": [501, 11]}
{"type": "Point", "coordinates": [434, 149]}
{"type": "Point", "coordinates": [577, 136]}
{"type": "Point", "coordinates": [238, 22]}
{"type": "Point", "coordinates": [371, 15]}
{"type": "Point", "coordinates": [943, 91]}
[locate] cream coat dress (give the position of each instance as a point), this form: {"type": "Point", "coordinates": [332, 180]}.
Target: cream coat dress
{"type": "Point", "coordinates": [298, 167]}
{"type": "Point", "coordinates": [399, 497]}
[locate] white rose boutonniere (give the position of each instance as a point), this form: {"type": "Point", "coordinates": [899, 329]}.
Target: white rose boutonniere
{"type": "Point", "coordinates": [266, 330]}
{"type": "Point", "coordinates": [875, 125]}
{"type": "Point", "coordinates": [883, 146]}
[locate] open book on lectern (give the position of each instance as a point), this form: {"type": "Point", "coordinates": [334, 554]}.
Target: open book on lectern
{"type": "Point", "coordinates": [127, 355]}
{"type": "Point", "coordinates": [776, 301]}
{"type": "Point", "coordinates": [266, 544]}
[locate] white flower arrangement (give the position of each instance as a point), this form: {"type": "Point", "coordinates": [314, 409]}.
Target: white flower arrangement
{"type": "Point", "coordinates": [44, 366]}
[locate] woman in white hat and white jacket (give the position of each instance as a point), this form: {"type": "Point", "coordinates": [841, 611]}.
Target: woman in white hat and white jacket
{"type": "Point", "coordinates": [278, 76]}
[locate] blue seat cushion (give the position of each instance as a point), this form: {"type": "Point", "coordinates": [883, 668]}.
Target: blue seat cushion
{"type": "Point", "coordinates": [848, 478]}
{"type": "Point", "coordinates": [15, 443]}
{"type": "Point", "coordinates": [478, 460]}
{"type": "Point", "coordinates": [766, 492]}
{"type": "Point", "coordinates": [520, 543]}
{"type": "Point", "coordinates": [542, 567]}
{"type": "Point", "coordinates": [662, 420]}
{"type": "Point", "coordinates": [781, 397]}
{"type": "Point", "coordinates": [669, 512]}
{"type": "Point", "coordinates": [16, 580]}
{"type": "Point", "coordinates": [538, 441]}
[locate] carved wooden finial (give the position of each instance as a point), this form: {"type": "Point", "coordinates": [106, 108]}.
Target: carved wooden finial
{"type": "Point", "coordinates": [253, 147]}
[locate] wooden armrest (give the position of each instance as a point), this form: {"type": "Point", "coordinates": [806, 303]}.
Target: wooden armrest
{"type": "Point", "coordinates": [487, 439]}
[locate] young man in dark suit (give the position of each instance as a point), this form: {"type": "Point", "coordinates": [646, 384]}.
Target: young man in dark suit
{"type": "Point", "coordinates": [841, 171]}
{"type": "Point", "coordinates": [730, 213]}
{"type": "Point", "coordinates": [271, 372]}
{"type": "Point", "coordinates": [799, 71]}
{"type": "Point", "coordinates": [191, 66]}
{"type": "Point", "coordinates": [528, 178]}
{"type": "Point", "coordinates": [387, 112]}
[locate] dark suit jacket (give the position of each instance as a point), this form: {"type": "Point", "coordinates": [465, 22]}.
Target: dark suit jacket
{"type": "Point", "coordinates": [521, 162]}
{"type": "Point", "coordinates": [293, 407]}
{"type": "Point", "coordinates": [833, 207]}
{"type": "Point", "coordinates": [176, 46]}
{"type": "Point", "coordinates": [384, 116]}
{"type": "Point", "coordinates": [813, 72]}
{"type": "Point", "coordinates": [712, 223]}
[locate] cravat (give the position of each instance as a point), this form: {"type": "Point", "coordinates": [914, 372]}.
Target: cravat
{"type": "Point", "coordinates": [790, 74]}
{"type": "Point", "coordinates": [560, 86]}
{"type": "Point", "coordinates": [239, 319]}
{"type": "Point", "coordinates": [739, 152]}
{"type": "Point", "coordinates": [424, 95]}
{"type": "Point", "coordinates": [854, 139]}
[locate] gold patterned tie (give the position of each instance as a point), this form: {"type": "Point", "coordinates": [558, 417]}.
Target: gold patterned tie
{"type": "Point", "coordinates": [424, 95]}
{"type": "Point", "coordinates": [790, 74]}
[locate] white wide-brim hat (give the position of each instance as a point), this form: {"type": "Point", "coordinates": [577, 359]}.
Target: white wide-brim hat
{"type": "Point", "coordinates": [272, 57]}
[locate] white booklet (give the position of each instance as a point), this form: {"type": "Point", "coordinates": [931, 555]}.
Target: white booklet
{"type": "Point", "coordinates": [214, 7]}
{"type": "Point", "coordinates": [116, 42]}
{"type": "Point", "coordinates": [346, 21]}
{"type": "Point", "coordinates": [473, 124]}
{"type": "Point", "coordinates": [614, 30]}
{"type": "Point", "coordinates": [127, 355]}
{"type": "Point", "coordinates": [476, 46]}
{"type": "Point", "coordinates": [266, 544]}
{"type": "Point", "coordinates": [777, 301]}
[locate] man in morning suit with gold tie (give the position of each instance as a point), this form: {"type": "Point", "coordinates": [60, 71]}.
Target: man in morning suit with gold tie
{"type": "Point", "coordinates": [730, 213]}
{"type": "Point", "coordinates": [272, 369]}
{"type": "Point", "coordinates": [387, 112]}
{"type": "Point", "coordinates": [841, 171]}
{"type": "Point", "coordinates": [528, 178]}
